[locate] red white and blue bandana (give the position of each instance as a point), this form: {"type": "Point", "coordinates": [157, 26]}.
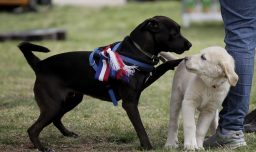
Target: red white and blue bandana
{"type": "Point", "coordinates": [112, 65]}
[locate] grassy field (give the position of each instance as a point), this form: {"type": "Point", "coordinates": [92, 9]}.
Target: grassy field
{"type": "Point", "coordinates": [101, 126]}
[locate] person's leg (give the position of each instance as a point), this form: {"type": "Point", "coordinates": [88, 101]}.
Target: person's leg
{"type": "Point", "coordinates": [239, 18]}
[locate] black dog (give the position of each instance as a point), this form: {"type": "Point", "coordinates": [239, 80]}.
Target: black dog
{"type": "Point", "coordinates": [62, 80]}
{"type": "Point", "coordinates": [250, 122]}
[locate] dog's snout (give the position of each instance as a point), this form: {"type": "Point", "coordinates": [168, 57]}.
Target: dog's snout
{"type": "Point", "coordinates": [188, 44]}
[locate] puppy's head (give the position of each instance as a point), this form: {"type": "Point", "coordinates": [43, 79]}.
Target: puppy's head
{"type": "Point", "coordinates": [213, 62]}
{"type": "Point", "coordinates": [160, 33]}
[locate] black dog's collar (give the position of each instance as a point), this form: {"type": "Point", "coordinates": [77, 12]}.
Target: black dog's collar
{"type": "Point", "coordinates": [153, 57]}
{"type": "Point", "coordinates": [140, 65]}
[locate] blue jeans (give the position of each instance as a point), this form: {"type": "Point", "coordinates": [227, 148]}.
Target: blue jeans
{"type": "Point", "coordinates": [239, 18]}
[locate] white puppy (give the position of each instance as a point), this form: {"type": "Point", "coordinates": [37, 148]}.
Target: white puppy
{"type": "Point", "coordinates": [201, 82]}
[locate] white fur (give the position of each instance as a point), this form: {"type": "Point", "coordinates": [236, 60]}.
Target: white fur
{"type": "Point", "coordinates": [202, 85]}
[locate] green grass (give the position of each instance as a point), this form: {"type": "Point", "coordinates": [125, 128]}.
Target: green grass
{"type": "Point", "coordinates": [101, 126]}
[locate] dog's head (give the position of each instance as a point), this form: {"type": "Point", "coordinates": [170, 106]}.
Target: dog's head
{"type": "Point", "coordinates": [213, 62]}
{"type": "Point", "coordinates": [158, 34]}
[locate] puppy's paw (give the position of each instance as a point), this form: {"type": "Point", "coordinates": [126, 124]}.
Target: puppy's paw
{"type": "Point", "coordinates": [190, 146]}
{"type": "Point", "coordinates": [172, 145]}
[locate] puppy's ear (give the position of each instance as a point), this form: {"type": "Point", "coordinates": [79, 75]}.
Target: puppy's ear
{"type": "Point", "coordinates": [230, 73]}
{"type": "Point", "coordinates": [152, 25]}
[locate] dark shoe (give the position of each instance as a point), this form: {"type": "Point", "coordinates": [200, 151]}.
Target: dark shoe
{"type": "Point", "coordinates": [232, 140]}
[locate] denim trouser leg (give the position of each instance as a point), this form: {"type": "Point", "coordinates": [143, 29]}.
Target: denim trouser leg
{"type": "Point", "coordinates": [239, 18]}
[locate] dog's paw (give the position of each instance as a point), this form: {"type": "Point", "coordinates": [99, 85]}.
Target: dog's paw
{"type": "Point", "coordinates": [250, 127]}
{"type": "Point", "coordinates": [44, 149]}
{"type": "Point", "coordinates": [146, 146]}
{"type": "Point", "coordinates": [173, 63]}
{"type": "Point", "coordinates": [51, 150]}
{"type": "Point", "coordinates": [171, 146]}
{"type": "Point", "coordinates": [190, 147]}
{"type": "Point", "coordinates": [74, 135]}
{"type": "Point", "coordinates": [174, 146]}
{"type": "Point", "coordinates": [71, 134]}
{"type": "Point", "coordinates": [190, 144]}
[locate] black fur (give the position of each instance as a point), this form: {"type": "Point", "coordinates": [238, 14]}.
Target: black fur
{"type": "Point", "coordinates": [63, 79]}
{"type": "Point", "coordinates": [250, 122]}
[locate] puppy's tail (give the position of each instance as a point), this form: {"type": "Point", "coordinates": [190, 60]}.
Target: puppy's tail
{"type": "Point", "coordinates": [167, 56]}
{"type": "Point", "coordinates": [27, 48]}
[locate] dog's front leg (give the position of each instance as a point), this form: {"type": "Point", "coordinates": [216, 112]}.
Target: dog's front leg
{"type": "Point", "coordinates": [134, 116]}
{"type": "Point", "coordinates": [189, 125]}
{"type": "Point", "coordinates": [160, 70]}
{"type": "Point", "coordinates": [206, 116]}
{"type": "Point", "coordinates": [175, 106]}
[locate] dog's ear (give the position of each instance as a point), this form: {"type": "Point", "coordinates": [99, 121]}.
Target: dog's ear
{"type": "Point", "coordinates": [152, 25]}
{"type": "Point", "coordinates": [230, 73]}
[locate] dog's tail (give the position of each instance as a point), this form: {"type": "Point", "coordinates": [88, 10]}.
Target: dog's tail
{"type": "Point", "coordinates": [167, 56]}
{"type": "Point", "coordinates": [27, 48]}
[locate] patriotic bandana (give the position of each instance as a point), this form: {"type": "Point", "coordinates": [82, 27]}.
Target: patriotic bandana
{"type": "Point", "coordinates": [111, 65]}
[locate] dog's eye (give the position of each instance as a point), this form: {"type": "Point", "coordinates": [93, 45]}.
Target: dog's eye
{"type": "Point", "coordinates": [203, 57]}
{"type": "Point", "coordinates": [175, 34]}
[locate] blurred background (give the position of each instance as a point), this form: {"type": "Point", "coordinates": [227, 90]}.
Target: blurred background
{"type": "Point", "coordinates": [71, 25]}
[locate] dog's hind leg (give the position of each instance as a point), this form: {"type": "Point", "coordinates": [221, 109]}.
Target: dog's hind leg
{"type": "Point", "coordinates": [214, 123]}
{"type": "Point", "coordinates": [49, 103]}
{"type": "Point", "coordinates": [206, 117]}
{"type": "Point", "coordinates": [71, 101]}
{"type": "Point", "coordinates": [37, 127]}
{"type": "Point", "coordinates": [45, 118]}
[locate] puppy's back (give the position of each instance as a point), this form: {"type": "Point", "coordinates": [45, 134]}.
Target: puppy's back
{"type": "Point", "coordinates": [182, 78]}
